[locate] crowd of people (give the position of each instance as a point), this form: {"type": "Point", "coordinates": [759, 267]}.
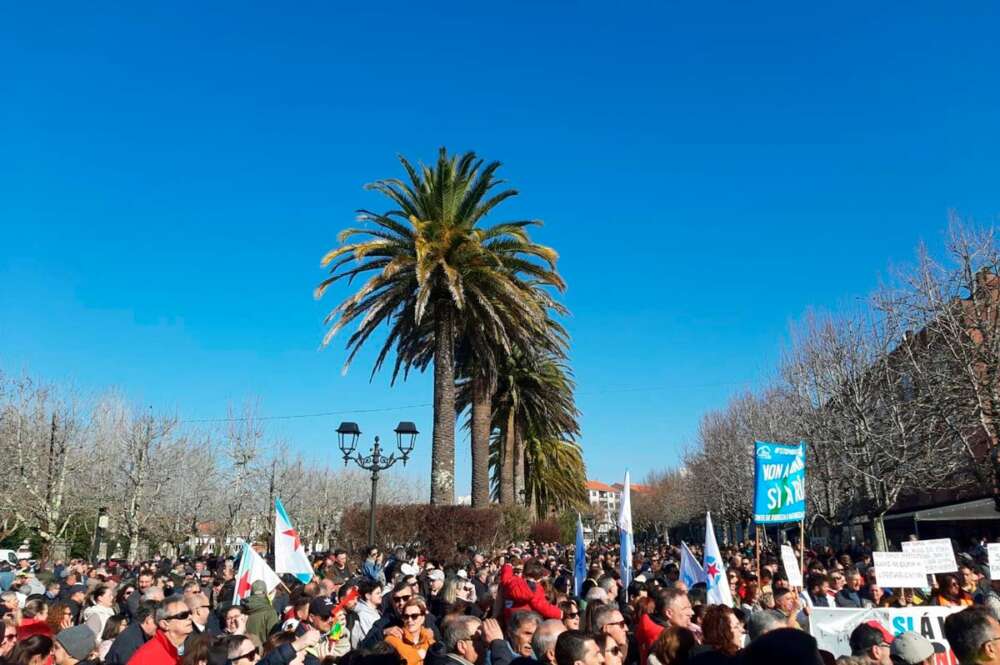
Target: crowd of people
{"type": "Point", "coordinates": [519, 606]}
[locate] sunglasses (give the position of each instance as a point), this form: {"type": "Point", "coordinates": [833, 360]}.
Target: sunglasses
{"type": "Point", "coordinates": [571, 615]}
{"type": "Point", "coordinates": [620, 624]}
{"type": "Point", "coordinates": [180, 616]}
{"type": "Point", "coordinates": [249, 654]}
{"type": "Point", "coordinates": [412, 617]}
{"type": "Point", "coordinates": [402, 599]}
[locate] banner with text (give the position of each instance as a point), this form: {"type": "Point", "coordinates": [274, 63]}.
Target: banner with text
{"type": "Point", "coordinates": [832, 626]}
{"type": "Point", "coordinates": [780, 488]}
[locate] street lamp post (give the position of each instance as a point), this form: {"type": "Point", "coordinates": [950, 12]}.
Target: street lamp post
{"type": "Point", "coordinates": [99, 531]}
{"type": "Point", "coordinates": [347, 437]}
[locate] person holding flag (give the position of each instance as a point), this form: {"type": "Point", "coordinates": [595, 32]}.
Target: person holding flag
{"type": "Point", "coordinates": [579, 559]}
{"type": "Point", "coordinates": [289, 554]}
{"type": "Point", "coordinates": [716, 582]}
{"type": "Point", "coordinates": [252, 569]}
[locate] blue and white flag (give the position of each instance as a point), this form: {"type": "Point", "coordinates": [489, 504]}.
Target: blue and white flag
{"type": "Point", "coordinates": [717, 584]}
{"type": "Point", "coordinates": [289, 554]}
{"type": "Point", "coordinates": [691, 571]}
{"type": "Point", "coordinates": [625, 533]}
{"type": "Point", "coordinates": [580, 560]}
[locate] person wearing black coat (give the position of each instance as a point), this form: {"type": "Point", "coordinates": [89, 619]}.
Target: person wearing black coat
{"type": "Point", "coordinates": [134, 636]}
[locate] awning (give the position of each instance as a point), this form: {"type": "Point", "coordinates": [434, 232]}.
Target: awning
{"type": "Point", "coordinates": [970, 511]}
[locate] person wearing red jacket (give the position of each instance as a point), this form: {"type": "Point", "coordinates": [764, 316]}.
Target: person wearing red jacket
{"type": "Point", "coordinates": [524, 592]}
{"type": "Point", "coordinates": [173, 625]}
{"type": "Point", "coordinates": [672, 608]}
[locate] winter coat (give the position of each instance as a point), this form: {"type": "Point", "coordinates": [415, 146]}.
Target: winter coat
{"type": "Point", "coordinates": [373, 571]}
{"type": "Point", "coordinates": [412, 651]}
{"type": "Point", "coordinates": [520, 594]}
{"type": "Point", "coordinates": [261, 617]}
{"type": "Point", "coordinates": [96, 616]}
{"type": "Point", "coordinates": [390, 619]}
{"type": "Point", "coordinates": [125, 645]}
{"type": "Point", "coordinates": [367, 616]}
{"type": "Point", "coordinates": [157, 651]}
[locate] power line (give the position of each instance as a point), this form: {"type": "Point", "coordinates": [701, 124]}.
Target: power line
{"type": "Point", "coordinates": [325, 414]}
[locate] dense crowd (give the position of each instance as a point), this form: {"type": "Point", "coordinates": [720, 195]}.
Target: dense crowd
{"type": "Point", "coordinates": [514, 607]}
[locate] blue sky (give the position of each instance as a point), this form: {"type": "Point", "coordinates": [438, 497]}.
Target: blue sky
{"type": "Point", "coordinates": [171, 174]}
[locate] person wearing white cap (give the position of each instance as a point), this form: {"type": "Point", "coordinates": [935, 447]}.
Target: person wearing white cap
{"type": "Point", "coordinates": [912, 649]}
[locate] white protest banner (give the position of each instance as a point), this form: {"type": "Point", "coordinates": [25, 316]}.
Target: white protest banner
{"type": "Point", "coordinates": [832, 626]}
{"type": "Point", "coordinates": [894, 570]}
{"type": "Point", "coordinates": [993, 549]}
{"type": "Point", "coordinates": [939, 554]}
{"type": "Point", "coordinates": [791, 564]}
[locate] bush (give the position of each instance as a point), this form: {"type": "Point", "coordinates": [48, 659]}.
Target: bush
{"type": "Point", "coordinates": [546, 531]}
{"type": "Point", "coordinates": [444, 533]}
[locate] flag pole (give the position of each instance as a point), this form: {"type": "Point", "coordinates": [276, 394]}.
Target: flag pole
{"type": "Point", "coordinates": [802, 547]}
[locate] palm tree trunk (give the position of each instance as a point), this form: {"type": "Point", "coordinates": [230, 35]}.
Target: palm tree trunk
{"type": "Point", "coordinates": [518, 456]}
{"type": "Point", "coordinates": [481, 405]}
{"type": "Point", "coordinates": [443, 437]}
{"type": "Point", "coordinates": [507, 463]}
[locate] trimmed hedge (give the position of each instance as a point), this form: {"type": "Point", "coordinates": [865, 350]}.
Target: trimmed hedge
{"type": "Point", "coordinates": [444, 533]}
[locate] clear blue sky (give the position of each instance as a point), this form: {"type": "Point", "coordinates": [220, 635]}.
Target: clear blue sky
{"type": "Point", "coordinates": [171, 174]}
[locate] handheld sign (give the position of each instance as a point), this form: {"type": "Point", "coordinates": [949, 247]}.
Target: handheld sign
{"type": "Point", "coordinates": [780, 487]}
{"type": "Point", "coordinates": [938, 554]}
{"type": "Point", "coordinates": [791, 564]}
{"type": "Point", "coordinates": [993, 550]}
{"type": "Point", "coordinates": [899, 569]}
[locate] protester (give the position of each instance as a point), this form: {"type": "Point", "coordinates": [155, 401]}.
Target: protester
{"type": "Point", "coordinates": [261, 617]}
{"type": "Point", "coordinates": [543, 642]}
{"type": "Point", "coordinates": [101, 607]}
{"type": "Point", "coordinates": [74, 645]}
{"type": "Point", "coordinates": [576, 648]}
{"type": "Point", "coordinates": [35, 650]}
{"type": "Point", "coordinates": [722, 637]}
{"type": "Point", "coordinates": [974, 636]}
{"type": "Point", "coordinates": [367, 609]}
{"type": "Point", "coordinates": [870, 640]}
{"type": "Point", "coordinates": [415, 639]}
{"type": "Point", "coordinates": [911, 648]}
{"type": "Point", "coordinates": [173, 625]}
{"type": "Point", "coordinates": [139, 631]}
{"type": "Point", "coordinates": [950, 592]}
{"type": "Point", "coordinates": [113, 627]}
{"type": "Point", "coordinates": [672, 647]}
{"type": "Point", "coordinates": [463, 641]}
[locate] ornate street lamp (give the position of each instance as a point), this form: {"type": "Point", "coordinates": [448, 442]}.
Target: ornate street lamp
{"type": "Point", "coordinates": [347, 438]}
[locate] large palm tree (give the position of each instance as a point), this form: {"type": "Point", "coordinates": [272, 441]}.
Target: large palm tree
{"type": "Point", "coordinates": [534, 400]}
{"type": "Point", "coordinates": [433, 270]}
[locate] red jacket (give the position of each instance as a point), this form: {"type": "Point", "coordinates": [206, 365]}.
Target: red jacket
{"type": "Point", "coordinates": [518, 595]}
{"type": "Point", "coordinates": [646, 632]}
{"type": "Point", "coordinates": [157, 651]}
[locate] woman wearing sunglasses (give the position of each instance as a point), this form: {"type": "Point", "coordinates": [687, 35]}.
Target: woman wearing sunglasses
{"type": "Point", "coordinates": [570, 614]}
{"type": "Point", "coordinates": [415, 640]}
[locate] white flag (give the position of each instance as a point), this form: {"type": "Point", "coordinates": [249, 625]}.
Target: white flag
{"type": "Point", "coordinates": [289, 555]}
{"type": "Point", "coordinates": [625, 533]}
{"type": "Point", "coordinates": [252, 569]}
{"type": "Point", "coordinates": [691, 571]}
{"type": "Point", "coordinates": [715, 569]}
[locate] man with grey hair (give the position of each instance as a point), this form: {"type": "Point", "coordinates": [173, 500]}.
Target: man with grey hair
{"type": "Point", "coordinates": [153, 593]}
{"type": "Point", "coordinates": [764, 621]}
{"type": "Point", "coordinates": [608, 620]}
{"type": "Point", "coordinates": [173, 625]}
{"type": "Point", "coordinates": [462, 638]}
{"type": "Point", "coordinates": [520, 630]}
{"type": "Point", "coordinates": [543, 642]}
{"type": "Point", "coordinates": [596, 594]}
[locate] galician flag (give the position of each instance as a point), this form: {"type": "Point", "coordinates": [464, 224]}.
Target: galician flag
{"type": "Point", "coordinates": [625, 533]}
{"type": "Point", "coordinates": [717, 585]}
{"type": "Point", "coordinates": [691, 571]}
{"type": "Point", "coordinates": [252, 568]}
{"type": "Point", "coordinates": [289, 555]}
{"type": "Point", "coordinates": [580, 559]}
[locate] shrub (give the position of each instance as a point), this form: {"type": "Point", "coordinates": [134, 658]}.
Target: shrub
{"type": "Point", "coordinates": [546, 531]}
{"type": "Point", "coordinates": [444, 533]}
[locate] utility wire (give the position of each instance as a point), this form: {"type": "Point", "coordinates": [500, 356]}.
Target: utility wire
{"type": "Point", "coordinates": [325, 414]}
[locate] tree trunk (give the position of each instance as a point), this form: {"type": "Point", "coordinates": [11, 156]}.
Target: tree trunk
{"type": "Point", "coordinates": [518, 456]}
{"type": "Point", "coordinates": [878, 526]}
{"type": "Point", "coordinates": [481, 406]}
{"type": "Point", "coordinates": [507, 464]}
{"type": "Point", "coordinates": [443, 438]}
